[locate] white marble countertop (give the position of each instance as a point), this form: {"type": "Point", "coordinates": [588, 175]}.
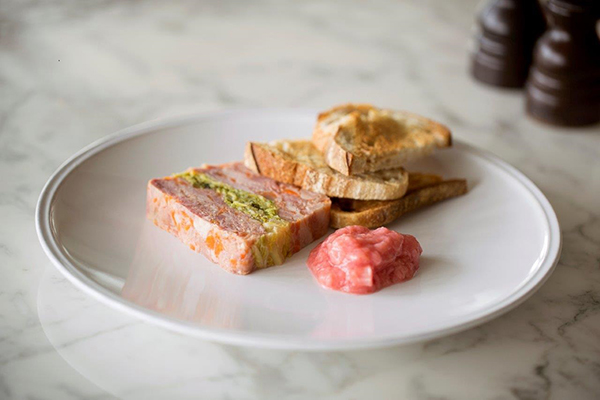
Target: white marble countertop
{"type": "Point", "coordinates": [72, 72]}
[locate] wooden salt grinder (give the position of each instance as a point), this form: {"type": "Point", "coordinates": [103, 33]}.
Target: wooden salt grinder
{"type": "Point", "coordinates": [508, 30]}
{"type": "Point", "coordinates": [564, 84]}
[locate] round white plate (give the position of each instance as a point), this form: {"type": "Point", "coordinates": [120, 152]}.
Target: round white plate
{"type": "Point", "coordinates": [483, 253]}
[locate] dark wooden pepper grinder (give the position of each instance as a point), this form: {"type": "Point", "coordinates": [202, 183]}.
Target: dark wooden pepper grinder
{"type": "Point", "coordinates": [564, 83]}
{"type": "Point", "coordinates": [508, 30]}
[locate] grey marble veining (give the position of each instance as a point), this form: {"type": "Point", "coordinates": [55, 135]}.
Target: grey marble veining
{"type": "Point", "coordinates": [72, 72]}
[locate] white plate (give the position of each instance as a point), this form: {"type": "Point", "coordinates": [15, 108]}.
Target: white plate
{"type": "Point", "coordinates": [483, 253]}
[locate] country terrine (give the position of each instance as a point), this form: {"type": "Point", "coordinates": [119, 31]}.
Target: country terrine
{"type": "Point", "coordinates": [236, 218]}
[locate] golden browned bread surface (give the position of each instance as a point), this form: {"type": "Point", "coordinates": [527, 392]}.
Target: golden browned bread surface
{"type": "Point", "coordinates": [360, 138]}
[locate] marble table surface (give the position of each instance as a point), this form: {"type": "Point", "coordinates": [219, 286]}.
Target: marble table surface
{"type": "Point", "coordinates": [72, 72]}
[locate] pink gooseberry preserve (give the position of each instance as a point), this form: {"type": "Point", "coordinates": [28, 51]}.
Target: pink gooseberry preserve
{"type": "Point", "coordinates": [358, 260]}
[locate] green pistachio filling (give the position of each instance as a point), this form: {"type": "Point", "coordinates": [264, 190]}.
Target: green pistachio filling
{"type": "Point", "coordinates": [271, 248]}
{"type": "Point", "coordinates": [254, 205]}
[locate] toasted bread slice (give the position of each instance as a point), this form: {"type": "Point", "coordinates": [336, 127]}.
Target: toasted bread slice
{"type": "Point", "coordinates": [300, 163]}
{"type": "Point", "coordinates": [372, 214]}
{"type": "Point", "coordinates": [356, 139]}
{"type": "Point", "coordinates": [418, 180]}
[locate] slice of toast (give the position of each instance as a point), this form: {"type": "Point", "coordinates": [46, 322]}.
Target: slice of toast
{"type": "Point", "coordinates": [300, 163]}
{"type": "Point", "coordinates": [418, 180]}
{"type": "Point", "coordinates": [372, 214]}
{"type": "Point", "coordinates": [360, 138]}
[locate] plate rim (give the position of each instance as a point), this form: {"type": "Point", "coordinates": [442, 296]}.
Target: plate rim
{"type": "Point", "coordinates": [53, 251]}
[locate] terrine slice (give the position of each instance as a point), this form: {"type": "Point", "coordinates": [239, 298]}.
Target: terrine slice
{"type": "Point", "coordinates": [236, 218]}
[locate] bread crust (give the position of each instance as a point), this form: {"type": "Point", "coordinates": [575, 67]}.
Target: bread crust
{"type": "Point", "coordinates": [360, 138]}
{"type": "Point", "coordinates": [373, 214]}
{"type": "Point", "coordinates": [302, 165]}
